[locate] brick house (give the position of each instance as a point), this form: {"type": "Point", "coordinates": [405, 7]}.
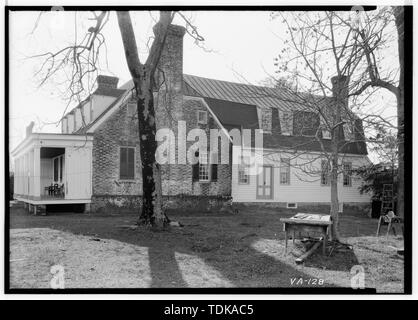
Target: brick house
{"type": "Point", "coordinates": [95, 161]}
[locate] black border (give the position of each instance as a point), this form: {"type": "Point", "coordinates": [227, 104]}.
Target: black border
{"type": "Point", "coordinates": [408, 161]}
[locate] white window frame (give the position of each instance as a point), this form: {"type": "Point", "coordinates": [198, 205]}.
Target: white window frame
{"type": "Point", "coordinates": [326, 134]}
{"type": "Point", "coordinates": [347, 173]}
{"type": "Point", "coordinates": [244, 171]}
{"type": "Point", "coordinates": [199, 113]}
{"type": "Point", "coordinates": [60, 179]}
{"type": "Point", "coordinates": [287, 172]}
{"type": "Point", "coordinates": [204, 167]}
{"type": "Point", "coordinates": [286, 126]}
{"type": "Point", "coordinates": [134, 176]}
{"type": "Point", "coordinates": [322, 173]}
{"type": "Point", "coordinates": [131, 104]}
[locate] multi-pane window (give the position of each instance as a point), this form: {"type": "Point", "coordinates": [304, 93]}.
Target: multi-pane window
{"type": "Point", "coordinates": [266, 115]}
{"type": "Point", "coordinates": [131, 110]}
{"type": "Point", "coordinates": [127, 163]}
{"type": "Point", "coordinates": [347, 174]}
{"type": "Point", "coordinates": [325, 170]}
{"type": "Point", "coordinates": [203, 166]}
{"type": "Point", "coordinates": [243, 171]}
{"type": "Point", "coordinates": [286, 123]}
{"type": "Point", "coordinates": [326, 134]}
{"type": "Point", "coordinates": [284, 171]}
{"type": "Point", "coordinates": [348, 132]}
{"type": "Point", "coordinates": [305, 123]}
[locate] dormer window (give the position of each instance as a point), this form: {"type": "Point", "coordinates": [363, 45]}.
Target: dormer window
{"type": "Point", "coordinates": [326, 134]}
{"type": "Point", "coordinates": [266, 115]}
{"type": "Point", "coordinates": [305, 123]}
{"type": "Point", "coordinates": [348, 131]}
{"type": "Point", "coordinates": [131, 110]}
{"type": "Point", "coordinates": [202, 117]}
{"type": "Point", "coordinates": [286, 123]}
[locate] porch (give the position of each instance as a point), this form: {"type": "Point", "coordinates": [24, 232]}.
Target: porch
{"type": "Point", "coordinates": [53, 169]}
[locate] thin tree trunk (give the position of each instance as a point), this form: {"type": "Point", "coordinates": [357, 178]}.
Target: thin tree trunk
{"type": "Point", "coordinates": [399, 21]}
{"type": "Point", "coordinates": [340, 93]}
{"type": "Point", "coordinates": [334, 194]}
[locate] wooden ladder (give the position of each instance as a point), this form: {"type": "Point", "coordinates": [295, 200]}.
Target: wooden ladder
{"type": "Point", "coordinates": [387, 199]}
{"type": "Point", "coordinates": [387, 205]}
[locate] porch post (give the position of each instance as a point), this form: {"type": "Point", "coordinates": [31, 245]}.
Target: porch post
{"type": "Point", "coordinates": [37, 172]}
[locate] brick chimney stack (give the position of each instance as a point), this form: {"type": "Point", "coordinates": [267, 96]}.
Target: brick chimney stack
{"type": "Point", "coordinates": [340, 87]}
{"type": "Point", "coordinates": [107, 82]}
{"type": "Point", "coordinates": [169, 75]}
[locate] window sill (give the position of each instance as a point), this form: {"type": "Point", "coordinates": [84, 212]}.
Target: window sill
{"type": "Point", "coordinates": [127, 180]}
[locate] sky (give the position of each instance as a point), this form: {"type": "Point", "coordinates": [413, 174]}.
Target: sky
{"type": "Point", "coordinates": [239, 46]}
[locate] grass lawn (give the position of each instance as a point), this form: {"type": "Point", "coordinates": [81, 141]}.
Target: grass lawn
{"type": "Point", "coordinates": [211, 250]}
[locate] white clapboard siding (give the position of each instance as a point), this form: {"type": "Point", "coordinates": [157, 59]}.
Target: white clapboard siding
{"type": "Point", "coordinates": [303, 187]}
{"type": "Point", "coordinates": [78, 163]}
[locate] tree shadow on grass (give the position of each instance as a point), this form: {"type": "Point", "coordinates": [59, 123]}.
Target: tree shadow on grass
{"type": "Point", "coordinates": [214, 247]}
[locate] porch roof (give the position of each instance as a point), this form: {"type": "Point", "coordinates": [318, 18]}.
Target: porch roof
{"type": "Point", "coordinates": [57, 140]}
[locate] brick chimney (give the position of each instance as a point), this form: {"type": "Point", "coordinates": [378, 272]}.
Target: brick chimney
{"type": "Point", "coordinates": [340, 93]}
{"type": "Point", "coordinates": [107, 82]}
{"type": "Point", "coordinates": [169, 75]}
{"type": "Point", "coordinates": [340, 87]}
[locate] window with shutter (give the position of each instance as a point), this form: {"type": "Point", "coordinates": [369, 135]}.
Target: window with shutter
{"type": "Point", "coordinates": [127, 163]}
{"type": "Point", "coordinates": [203, 166]}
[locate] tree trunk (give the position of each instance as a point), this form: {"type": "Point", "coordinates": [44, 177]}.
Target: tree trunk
{"type": "Point", "coordinates": [334, 196]}
{"type": "Point", "coordinates": [399, 21]}
{"type": "Point", "coordinates": [340, 94]}
{"type": "Point", "coordinates": [152, 210]}
{"type": "Point", "coordinates": [152, 213]}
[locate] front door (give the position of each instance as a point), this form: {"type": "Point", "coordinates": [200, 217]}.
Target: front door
{"type": "Point", "coordinates": [265, 183]}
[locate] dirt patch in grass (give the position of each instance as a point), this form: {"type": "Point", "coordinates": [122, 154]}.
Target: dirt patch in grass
{"type": "Point", "coordinates": [241, 250]}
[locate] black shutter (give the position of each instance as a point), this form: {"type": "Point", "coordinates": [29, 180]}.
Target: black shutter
{"type": "Point", "coordinates": [195, 172]}
{"type": "Point", "coordinates": [214, 172]}
{"type": "Point", "coordinates": [123, 163]}
{"type": "Point", "coordinates": [130, 163]}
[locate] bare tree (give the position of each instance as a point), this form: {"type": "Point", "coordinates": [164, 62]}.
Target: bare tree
{"type": "Point", "coordinates": [79, 60]}
{"type": "Point", "coordinates": [327, 55]}
{"type": "Point", "coordinates": [371, 32]}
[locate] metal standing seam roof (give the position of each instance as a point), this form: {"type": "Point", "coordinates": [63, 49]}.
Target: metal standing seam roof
{"type": "Point", "coordinates": [243, 100]}
{"type": "Point", "coordinates": [262, 97]}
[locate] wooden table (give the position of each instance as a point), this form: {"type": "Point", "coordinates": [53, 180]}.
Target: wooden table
{"type": "Point", "coordinates": [307, 222]}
